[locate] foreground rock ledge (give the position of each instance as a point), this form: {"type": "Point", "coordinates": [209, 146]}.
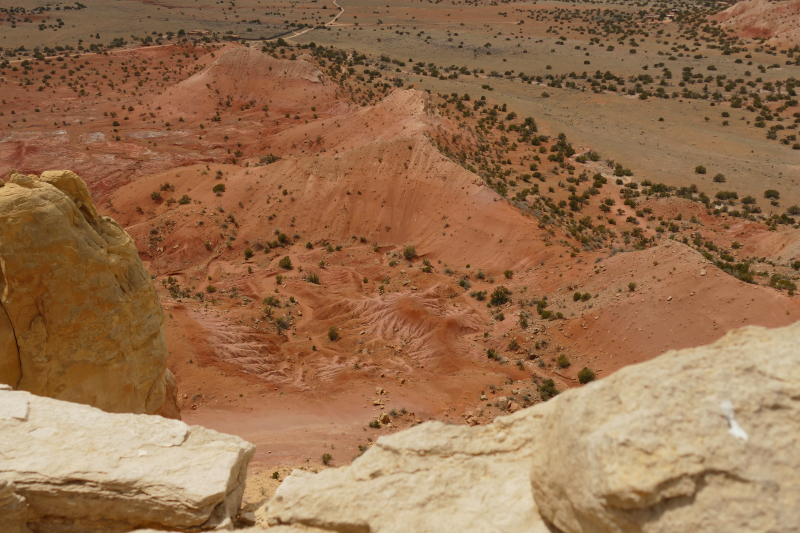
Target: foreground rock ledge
{"type": "Point", "coordinates": [704, 439]}
{"type": "Point", "coordinates": [79, 317]}
{"type": "Point", "coordinates": [72, 468]}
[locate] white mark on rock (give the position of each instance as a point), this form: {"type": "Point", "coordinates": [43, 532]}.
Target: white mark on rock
{"type": "Point", "coordinates": [735, 429]}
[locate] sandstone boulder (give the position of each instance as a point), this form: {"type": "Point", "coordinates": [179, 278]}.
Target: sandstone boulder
{"type": "Point", "coordinates": [73, 468]}
{"type": "Point", "coordinates": [79, 316]}
{"type": "Point", "coordinates": [704, 439]}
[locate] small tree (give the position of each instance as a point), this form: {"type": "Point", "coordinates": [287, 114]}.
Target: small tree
{"type": "Point", "coordinates": [333, 333]}
{"type": "Point", "coordinates": [547, 389]}
{"type": "Point", "coordinates": [500, 296]}
{"type": "Point", "coordinates": [719, 178]}
{"type": "Point", "coordinates": [772, 194]}
{"type": "Point", "coordinates": [218, 189]}
{"type": "Point", "coordinates": [585, 376]}
{"type": "Point", "coordinates": [700, 169]}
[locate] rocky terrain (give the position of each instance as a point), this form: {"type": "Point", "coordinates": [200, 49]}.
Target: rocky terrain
{"type": "Point", "coordinates": [658, 446]}
{"type": "Point", "coordinates": [316, 225]}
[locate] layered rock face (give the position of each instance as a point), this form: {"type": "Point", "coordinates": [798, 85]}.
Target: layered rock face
{"type": "Point", "coordinates": [705, 439]}
{"type": "Point", "coordinates": [72, 468]}
{"type": "Point", "coordinates": [79, 317]}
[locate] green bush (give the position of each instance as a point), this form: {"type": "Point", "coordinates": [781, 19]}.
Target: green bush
{"type": "Point", "coordinates": [184, 199]}
{"type": "Point", "coordinates": [632, 286]}
{"type": "Point", "coordinates": [772, 194]}
{"type": "Point", "coordinates": [275, 475]}
{"type": "Point", "coordinates": [508, 274]}
{"type": "Point", "coordinates": [285, 263]}
{"type": "Point", "coordinates": [333, 333]}
{"type": "Point", "coordinates": [248, 253]}
{"type": "Point", "coordinates": [562, 361]}
{"type": "Point", "coordinates": [313, 277]}
{"type": "Point", "coordinates": [218, 189]}
{"type": "Point", "coordinates": [547, 389]}
{"type": "Point", "coordinates": [409, 253]}
{"type": "Point", "coordinates": [699, 169]}
{"type": "Point", "coordinates": [210, 289]}
{"type": "Point", "coordinates": [585, 376]}
{"type": "Point", "coordinates": [719, 178]}
{"type": "Point", "coordinates": [500, 296]}
{"type": "Point", "coordinates": [326, 459]}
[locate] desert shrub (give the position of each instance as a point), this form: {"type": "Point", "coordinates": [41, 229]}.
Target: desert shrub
{"type": "Point", "coordinates": [218, 189]}
{"type": "Point", "coordinates": [585, 375]}
{"type": "Point", "coordinates": [547, 389]}
{"type": "Point", "coordinates": [632, 286]}
{"type": "Point", "coordinates": [513, 345]}
{"type": "Point", "coordinates": [719, 178]}
{"type": "Point", "coordinates": [491, 353]}
{"type": "Point", "coordinates": [478, 295]}
{"type": "Point", "coordinates": [156, 196]}
{"type": "Point", "coordinates": [508, 274]}
{"type": "Point", "coordinates": [272, 301]}
{"type": "Point", "coordinates": [375, 424]}
{"type": "Point", "coordinates": [523, 322]}
{"type": "Point", "coordinates": [275, 475]}
{"type": "Point", "coordinates": [576, 297]}
{"type": "Point", "coordinates": [285, 263]}
{"type": "Point", "coordinates": [211, 289]}
{"type": "Point", "coordinates": [248, 253]}
{"type": "Point", "coordinates": [333, 333]}
{"type": "Point", "coordinates": [282, 323]}
{"type": "Point", "coordinates": [500, 296]}
{"type": "Point", "coordinates": [793, 210]}
{"type": "Point", "coordinates": [699, 169]}
{"type": "Point", "coordinates": [313, 277]}
{"type": "Point", "coordinates": [562, 361]}
{"type": "Point", "coordinates": [326, 459]}
{"type": "Point", "coordinates": [772, 194]}
{"type": "Point", "coordinates": [409, 253]}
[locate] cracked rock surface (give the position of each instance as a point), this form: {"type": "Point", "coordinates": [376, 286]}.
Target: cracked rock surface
{"type": "Point", "coordinates": [69, 468]}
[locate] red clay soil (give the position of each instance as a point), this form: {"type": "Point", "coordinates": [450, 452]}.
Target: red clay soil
{"type": "Point", "coordinates": [351, 188]}
{"type": "Point", "coordinates": [777, 22]}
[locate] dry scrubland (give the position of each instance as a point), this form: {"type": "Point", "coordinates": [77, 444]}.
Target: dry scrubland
{"type": "Point", "coordinates": [475, 216]}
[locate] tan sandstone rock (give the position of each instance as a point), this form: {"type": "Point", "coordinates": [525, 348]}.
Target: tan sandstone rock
{"type": "Point", "coordinates": [704, 439]}
{"type": "Point", "coordinates": [72, 468]}
{"type": "Point", "coordinates": [79, 316]}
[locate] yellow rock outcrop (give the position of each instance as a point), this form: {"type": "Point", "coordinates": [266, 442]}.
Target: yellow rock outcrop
{"type": "Point", "coordinates": [79, 317]}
